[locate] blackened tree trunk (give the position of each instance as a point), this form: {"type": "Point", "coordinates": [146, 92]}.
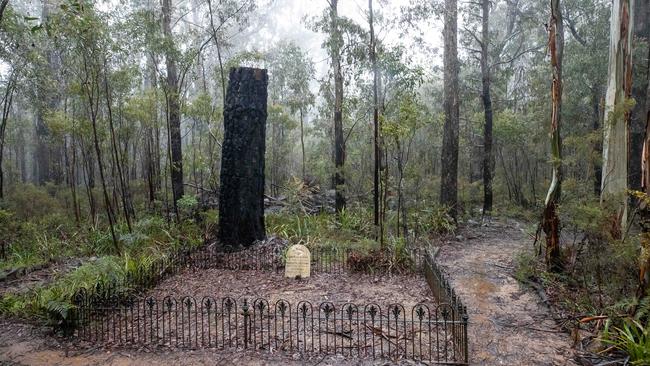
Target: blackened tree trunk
{"type": "Point", "coordinates": [375, 121]}
{"type": "Point", "coordinates": [336, 44]}
{"type": "Point", "coordinates": [449, 172]}
{"type": "Point", "coordinates": [241, 199]}
{"type": "Point", "coordinates": [551, 219]}
{"type": "Point", "coordinates": [487, 106]}
{"type": "Point", "coordinates": [639, 89]}
{"type": "Point", "coordinates": [644, 212]}
{"type": "Point", "coordinates": [174, 111]}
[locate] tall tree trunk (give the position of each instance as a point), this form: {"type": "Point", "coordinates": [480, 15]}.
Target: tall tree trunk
{"type": "Point", "coordinates": [336, 45]}
{"type": "Point", "coordinates": [551, 220]}
{"type": "Point", "coordinates": [241, 199]}
{"type": "Point", "coordinates": [125, 195]}
{"type": "Point", "coordinates": [92, 90]}
{"type": "Point", "coordinates": [375, 121]}
{"type": "Point", "coordinates": [89, 178]}
{"type": "Point", "coordinates": [174, 116]}
{"type": "Point", "coordinates": [3, 6]}
{"type": "Point", "coordinates": [449, 172]}
{"type": "Point", "coordinates": [488, 159]}
{"type": "Point", "coordinates": [302, 144]}
{"type": "Point", "coordinates": [615, 129]}
{"type": "Point", "coordinates": [45, 153]}
{"type": "Point", "coordinates": [644, 213]}
{"type": "Point", "coordinates": [637, 122]}
{"type": "Point", "coordinates": [597, 148]}
{"type": "Point", "coordinates": [6, 108]}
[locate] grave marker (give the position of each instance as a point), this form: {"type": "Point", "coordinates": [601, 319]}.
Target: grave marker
{"type": "Point", "coordinates": [298, 264]}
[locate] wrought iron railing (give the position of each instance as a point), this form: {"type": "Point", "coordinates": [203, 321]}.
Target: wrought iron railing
{"type": "Point", "coordinates": [111, 315]}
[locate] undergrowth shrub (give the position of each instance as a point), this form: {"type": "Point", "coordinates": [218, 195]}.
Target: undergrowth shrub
{"type": "Point", "coordinates": [633, 338]}
{"type": "Point", "coordinates": [394, 258]}
{"type": "Point", "coordinates": [432, 220]}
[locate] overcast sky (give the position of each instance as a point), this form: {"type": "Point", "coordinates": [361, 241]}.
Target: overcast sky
{"type": "Point", "coordinates": [277, 20]}
{"type": "Point", "coordinates": [284, 19]}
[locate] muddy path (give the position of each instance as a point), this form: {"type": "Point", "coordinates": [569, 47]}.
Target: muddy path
{"type": "Point", "coordinates": [509, 323]}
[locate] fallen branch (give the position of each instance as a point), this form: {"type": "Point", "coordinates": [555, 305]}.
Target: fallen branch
{"type": "Point", "coordinates": [340, 333]}
{"type": "Point", "coordinates": [592, 318]}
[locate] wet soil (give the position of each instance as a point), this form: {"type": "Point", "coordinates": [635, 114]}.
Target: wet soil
{"type": "Point", "coordinates": [509, 323]}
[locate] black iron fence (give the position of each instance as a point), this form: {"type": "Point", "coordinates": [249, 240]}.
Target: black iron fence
{"type": "Point", "coordinates": [123, 315]}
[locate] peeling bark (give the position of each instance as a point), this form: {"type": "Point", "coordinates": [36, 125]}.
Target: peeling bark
{"type": "Point", "coordinates": [551, 220]}
{"type": "Point", "coordinates": [617, 116]}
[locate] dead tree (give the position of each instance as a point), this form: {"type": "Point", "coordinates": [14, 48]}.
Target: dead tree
{"type": "Point", "coordinates": [241, 199]}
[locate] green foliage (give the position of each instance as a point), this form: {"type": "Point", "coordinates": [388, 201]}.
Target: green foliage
{"type": "Point", "coordinates": [394, 258]}
{"type": "Point", "coordinates": [432, 219]}
{"type": "Point", "coordinates": [187, 204]}
{"type": "Point", "coordinates": [355, 221]}
{"type": "Point", "coordinates": [526, 267]}
{"type": "Point", "coordinates": [633, 338]}
{"type": "Point", "coordinates": [28, 202]}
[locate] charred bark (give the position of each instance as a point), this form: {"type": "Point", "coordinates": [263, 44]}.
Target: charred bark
{"type": "Point", "coordinates": [241, 199]}
{"type": "Point", "coordinates": [488, 160]}
{"type": "Point", "coordinates": [639, 90]}
{"type": "Point", "coordinates": [644, 212]}
{"type": "Point", "coordinates": [339, 139]}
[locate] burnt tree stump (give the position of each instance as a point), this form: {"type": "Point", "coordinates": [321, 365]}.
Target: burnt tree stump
{"type": "Point", "coordinates": [241, 199]}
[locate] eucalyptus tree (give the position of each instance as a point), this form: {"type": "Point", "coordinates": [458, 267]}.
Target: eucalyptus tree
{"type": "Point", "coordinates": [226, 18]}
{"type": "Point", "coordinates": [346, 45]}
{"type": "Point", "coordinates": [617, 113]}
{"type": "Point", "coordinates": [86, 51]}
{"type": "Point", "coordinates": [290, 73]}
{"type": "Point", "coordinates": [587, 25]}
{"type": "Point", "coordinates": [449, 156]}
{"type": "Point", "coordinates": [172, 92]}
{"type": "Point", "coordinates": [551, 220]}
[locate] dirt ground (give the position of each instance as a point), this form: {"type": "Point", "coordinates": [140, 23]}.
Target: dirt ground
{"type": "Point", "coordinates": [338, 288]}
{"type": "Point", "coordinates": [509, 324]}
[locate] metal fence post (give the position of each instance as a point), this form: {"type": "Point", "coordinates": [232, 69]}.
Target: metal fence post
{"type": "Point", "coordinates": [246, 322]}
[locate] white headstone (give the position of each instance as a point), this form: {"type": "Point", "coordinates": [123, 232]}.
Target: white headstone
{"type": "Point", "coordinates": [298, 262]}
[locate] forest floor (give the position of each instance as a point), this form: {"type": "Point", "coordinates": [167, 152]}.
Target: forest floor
{"type": "Point", "coordinates": [509, 323]}
{"type": "Point", "coordinates": [24, 280]}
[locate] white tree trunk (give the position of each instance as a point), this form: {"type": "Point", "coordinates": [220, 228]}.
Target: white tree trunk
{"type": "Point", "coordinates": [615, 126]}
